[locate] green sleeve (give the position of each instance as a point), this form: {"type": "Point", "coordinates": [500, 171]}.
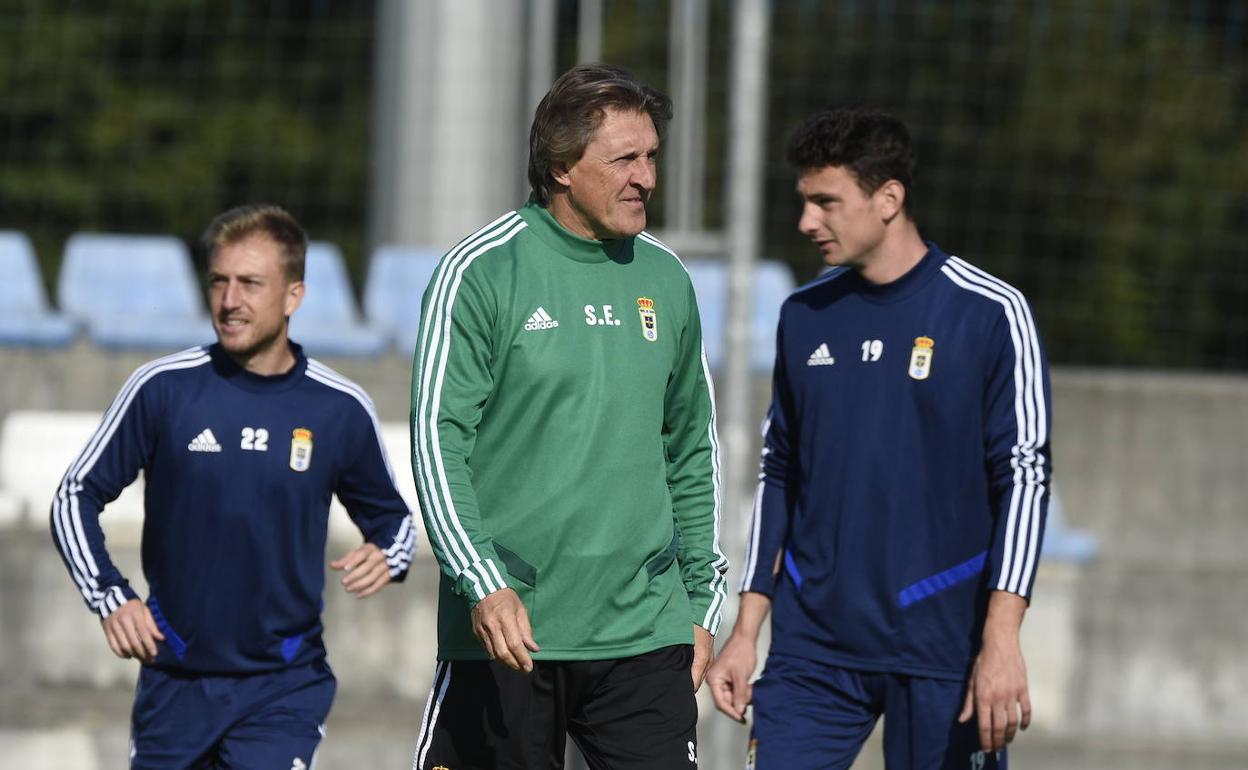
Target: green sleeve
{"type": "Point", "coordinates": [693, 474]}
{"type": "Point", "coordinates": [451, 381]}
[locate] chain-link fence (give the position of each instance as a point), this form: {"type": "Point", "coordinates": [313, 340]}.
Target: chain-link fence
{"type": "Point", "coordinates": [1092, 153]}
{"type": "Point", "coordinates": [139, 117]}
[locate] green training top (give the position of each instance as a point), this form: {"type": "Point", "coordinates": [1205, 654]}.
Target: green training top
{"type": "Point", "coordinates": [563, 440]}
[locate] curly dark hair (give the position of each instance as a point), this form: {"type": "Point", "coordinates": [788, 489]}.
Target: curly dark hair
{"type": "Point", "coordinates": [873, 145]}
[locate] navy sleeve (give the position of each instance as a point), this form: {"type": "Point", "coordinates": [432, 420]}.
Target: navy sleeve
{"type": "Point", "coordinates": [776, 491]}
{"type": "Point", "coordinates": [368, 491]}
{"type": "Point", "coordinates": [1017, 423]}
{"type": "Point", "coordinates": [120, 447]}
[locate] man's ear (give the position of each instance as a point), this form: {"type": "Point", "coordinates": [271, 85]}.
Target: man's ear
{"type": "Point", "coordinates": [561, 173]}
{"type": "Point", "coordinates": [294, 296]}
{"type": "Point", "coordinates": [891, 199]}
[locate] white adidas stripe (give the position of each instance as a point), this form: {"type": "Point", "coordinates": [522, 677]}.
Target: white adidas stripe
{"type": "Point", "coordinates": [424, 481]}
{"type": "Point", "coordinates": [1033, 363]}
{"type": "Point", "coordinates": [650, 239]}
{"type": "Point", "coordinates": [751, 545]}
{"type": "Point", "coordinates": [1020, 514]}
{"type": "Point", "coordinates": [488, 570]}
{"type": "Point", "coordinates": [399, 553]}
{"type": "Point", "coordinates": [479, 571]}
{"type": "Point", "coordinates": [1033, 405]}
{"type": "Point", "coordinates": [718, 582]}
{"type": "Point", "coordinates": [327, 376]}
{"type": "Point", "coordinates": [437, 526]}
{"type": "Point", "coordinates": [1021, 577]}
{"type": "Point", "coordinates": [66, 513]}
{"type": "Point", "coordinates": [433, 706]}
{"type": "Point", "coordinates": [719, 568]}
{"type": "Point", "coordinates": [756, 514]}
{"type": "Point", "coordinates": [453, 541]}
{"type": "Point", "coordinates": [1030, 474]}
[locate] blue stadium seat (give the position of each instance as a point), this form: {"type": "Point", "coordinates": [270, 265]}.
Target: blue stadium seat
{"type": "Point", "coordinates": [327, 323]}
{"type": "Point", "coordinates": [133, 291]}
{"type": "Point", "coordinates": [710, 286]}
{"type": "Point", "coordinates": [25, 318]}
{"type": "Point", "coordinates": [1061, 542]}
{"type": "Point", "coordinates": [771, 285]}
{"type": "Point", "coordinates": [397, 277]}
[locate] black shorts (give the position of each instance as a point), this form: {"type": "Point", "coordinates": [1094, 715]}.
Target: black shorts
{"type": "Point", "coordinates": [636, 712]}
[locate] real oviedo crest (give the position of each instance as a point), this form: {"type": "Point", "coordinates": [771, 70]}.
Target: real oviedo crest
{"type": "Point", "coordinates": [649, 321]}
{"type": "Point", "coordinates": [921, 358]}
{"type": "Point", "coordinates": [300, 449]}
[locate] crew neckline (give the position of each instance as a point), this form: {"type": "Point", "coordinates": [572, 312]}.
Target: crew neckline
{"type": "Point", "coordinates": [909, 283]}
{"type": "Point", "coordinates": [258, 383]}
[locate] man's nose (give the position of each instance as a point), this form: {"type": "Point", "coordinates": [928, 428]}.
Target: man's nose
{"type": "Point", "coordinates": [645, 174]}
{"type": "Point", "coordinates": [807, 223]}
{"type": "Point", "coordinates": [230, 295]}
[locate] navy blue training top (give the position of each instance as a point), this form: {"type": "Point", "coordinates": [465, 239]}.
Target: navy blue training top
{"type": "Point", "coordinates": [905, 469]}
{"type": "Point", "coordinates": [239, 470]}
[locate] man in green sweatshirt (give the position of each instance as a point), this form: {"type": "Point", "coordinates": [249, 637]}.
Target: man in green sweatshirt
{"type": "Point", "coordinates": [564, 447]}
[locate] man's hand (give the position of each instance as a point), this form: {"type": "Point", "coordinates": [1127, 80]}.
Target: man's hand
{"type": "Point", "coordinates": [131, 631]}
{"type": "Point", "coordinates": [997, 690]}
{"type": "Point", "coordinates": [502, 624]}
{"type": "Point", "coordinates": [703, 654]}
{"type": "Point", "coordinates": [729, 678]}
{"type": "Point", "coordinates": [366, 568]}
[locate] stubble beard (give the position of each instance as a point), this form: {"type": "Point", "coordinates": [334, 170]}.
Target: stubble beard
{"type": "Point", "coordinates": [260, 345]}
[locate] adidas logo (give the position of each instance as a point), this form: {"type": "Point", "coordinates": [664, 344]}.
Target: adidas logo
{"type": "Point", "coordinates": [540, 320]}
{"type": "Point", "coordinates": [821, 357]}
{"type": "Point", "coordinates": [204, 442]}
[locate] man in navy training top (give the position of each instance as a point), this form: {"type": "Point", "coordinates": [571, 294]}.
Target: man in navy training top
{"type": "Point", "coordinates": [242, 444]}
{"type": "Point", "coordinates": [904, 485]}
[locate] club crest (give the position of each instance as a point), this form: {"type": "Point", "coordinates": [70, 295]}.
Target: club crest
{"type": "Point", "coordinates": [921, 358]}
{"type": "Point", "coordinates": [300, 449]}
{"type": "Point", "coordinates": [649, 321]}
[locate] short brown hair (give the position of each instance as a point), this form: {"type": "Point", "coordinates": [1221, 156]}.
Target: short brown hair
{"type": "Point", "coordinates": [574, 108]}
{"type": "Point", "coordinates": [249, 219]}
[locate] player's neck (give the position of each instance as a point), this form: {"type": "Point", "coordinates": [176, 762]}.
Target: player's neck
{"type": "Point", "coordinates": [898, 253]}
{"type": "Point", "coordinates": [275, 358]}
